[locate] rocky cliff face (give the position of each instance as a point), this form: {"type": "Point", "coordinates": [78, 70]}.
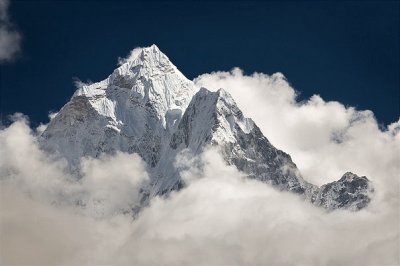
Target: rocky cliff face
{"type": "Point", "coordinates": [147, 106]}
{"type": "Point", "coordinates": [350, 192]}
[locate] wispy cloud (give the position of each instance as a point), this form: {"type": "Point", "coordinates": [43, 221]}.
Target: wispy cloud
{"type": "Point", "coordinates": [132, 55]}
{"type": "Point", "coordinates": [10, 38]}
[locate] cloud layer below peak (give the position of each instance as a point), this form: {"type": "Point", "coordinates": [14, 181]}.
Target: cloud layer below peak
{"type": "Point", "coordinates": [324, 138]}
{"type": "Point", "coordinates": [220, 218]}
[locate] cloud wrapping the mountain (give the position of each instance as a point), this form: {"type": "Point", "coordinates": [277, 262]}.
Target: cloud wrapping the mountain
{"type": "Point", "coordinates": [224, 218]}
{"type": "Point", "coordinates": [325, 139]}
{"type": "Point", "coordinates": [47, 217]}
{"type": "Point", "coordinates": [108, 184]}
{"type": "Point", "coordinates": [10, 38]}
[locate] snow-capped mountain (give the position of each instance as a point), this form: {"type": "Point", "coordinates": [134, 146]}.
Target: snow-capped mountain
{"type": "Point", "coordinates": [135, 109]}
{"type": "Point", "coordinates": [147, 106]}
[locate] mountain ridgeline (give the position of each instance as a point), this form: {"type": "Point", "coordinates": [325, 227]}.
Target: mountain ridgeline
{"type": "Point", "coordinates": [147, 106]}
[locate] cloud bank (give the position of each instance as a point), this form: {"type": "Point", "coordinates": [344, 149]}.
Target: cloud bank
{"type": "Point", "coordinates": [10, 38]}
{"type": "Point", "coordinates": [220, 218]}
{"type": "Point", "coordinates": [325, 139]}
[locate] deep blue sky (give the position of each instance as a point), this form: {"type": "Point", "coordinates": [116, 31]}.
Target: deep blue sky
{"type": "Point", "coordinates": [345, 51]}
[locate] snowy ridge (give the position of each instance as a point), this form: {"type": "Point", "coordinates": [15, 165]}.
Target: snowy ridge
{"type": "Point", "coordinates": [148, 78]}
{"type": "Point", "coordinates": [147, 106]}
{"type": "Point", "coordinates": [133, 110]}
{"type": "Point", "coordinates": [212, 117]}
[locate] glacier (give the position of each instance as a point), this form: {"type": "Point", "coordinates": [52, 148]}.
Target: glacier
{"type": "Point", "coordinates": [147, 106]}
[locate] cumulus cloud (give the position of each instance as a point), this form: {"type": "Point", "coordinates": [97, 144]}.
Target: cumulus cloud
{"type": "Point", "coordinates": [111, 183]}
{"type": "Point", "coordinates": [324, 138]}
{"type": "Point", "coordinates": [221, 217]}
{"type": "Point", "coordinates": [9, 37]}
{"type": "Point", "coordinates": [47, 215]}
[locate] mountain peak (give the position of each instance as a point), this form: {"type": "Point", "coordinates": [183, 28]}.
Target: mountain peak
{"type": "Point", "coordinates": [148, 53]}
{"type": "Point", "coordinates": [219, 117]}
{"type": "Point", "coordinates": [146, 106]}
{"type": "Point", "coordinates": [149, 61]}
{"type": "Point", "coordinates": [220, 94]}
{"type": "Point", "coordinates": [148, 80]}
{"type": "Point", "coordinates": [152, 49]}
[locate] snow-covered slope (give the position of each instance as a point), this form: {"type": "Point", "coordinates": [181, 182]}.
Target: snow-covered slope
{"type": "Point", "coordinates": [214, 118]}
{"type": "Point", "coordinates": [147, 106]}
{"type": "Point", "coordinates": [134, 110]}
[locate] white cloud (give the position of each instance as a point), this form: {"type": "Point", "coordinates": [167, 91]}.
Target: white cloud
{"type": "Point", "coordinates": [10, 38]}
{"type": "Point", "coordinates": [79, 83]}
{"type": "Point", "coordinates": [111, 183]}
{"type": "Point", "coordinates": [42, 127]}
{"type": "Point", "coordinates": [220, 218]}
{"type": "Point", "coordinates": [325, 139]}
{"type": "Point", "coordinates": [108, 184]}
{"type": "Point", "coordinates": [132, 55]}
